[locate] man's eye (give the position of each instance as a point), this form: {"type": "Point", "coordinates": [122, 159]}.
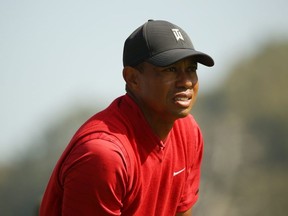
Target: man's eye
{"type": "Point", "coordinates": [171, 69]}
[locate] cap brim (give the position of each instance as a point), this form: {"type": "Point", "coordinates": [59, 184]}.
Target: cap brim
{"type": "Point", "coordinates": [171, 56]}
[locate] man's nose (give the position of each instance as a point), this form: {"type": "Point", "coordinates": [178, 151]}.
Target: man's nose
{"type": "Point", "coordinates": [187, 79]}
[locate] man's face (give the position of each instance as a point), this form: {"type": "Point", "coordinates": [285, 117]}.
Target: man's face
{"type": "Point", "coordinates": [168, 92]}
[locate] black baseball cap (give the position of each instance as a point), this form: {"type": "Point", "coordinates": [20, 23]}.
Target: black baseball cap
{"type": "Point", "coordinates": [160, 43]}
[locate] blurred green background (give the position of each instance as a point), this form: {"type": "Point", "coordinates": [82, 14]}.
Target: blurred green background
{"type": "Point", "coordinates": [60, 62]}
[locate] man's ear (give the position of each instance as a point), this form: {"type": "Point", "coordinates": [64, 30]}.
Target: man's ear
{"type": "Point", "coordinates": [131, 76]}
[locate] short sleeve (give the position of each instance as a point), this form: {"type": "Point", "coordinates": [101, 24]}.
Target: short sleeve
{"type": "Point", "coordinates": [94, 176]}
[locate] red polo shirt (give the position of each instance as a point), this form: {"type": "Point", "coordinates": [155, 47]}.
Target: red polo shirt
{"type": "Point", "coordinates": [115, 165]}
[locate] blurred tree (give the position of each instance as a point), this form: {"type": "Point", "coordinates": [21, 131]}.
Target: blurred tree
{"type": "Point", "coordinates": [245, 126]}
{"type": "Point", "coordinates": [257, 93]}
{"type": "Point", "coordinates": [23, 182]}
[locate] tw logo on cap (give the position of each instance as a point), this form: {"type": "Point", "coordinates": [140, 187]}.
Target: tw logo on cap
{"type": "Point", "coordinates": [177, 34]}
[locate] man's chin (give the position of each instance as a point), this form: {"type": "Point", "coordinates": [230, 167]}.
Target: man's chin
{"type": "Point", "coordinates": [183, 113]}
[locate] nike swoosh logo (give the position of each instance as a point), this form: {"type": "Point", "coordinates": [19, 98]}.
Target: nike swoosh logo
{"type": "Point", "coordinates": [178, 172]}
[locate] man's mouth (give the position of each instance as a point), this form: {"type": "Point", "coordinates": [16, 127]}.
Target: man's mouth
{"type": "Point", "coordinates": [183, 99]}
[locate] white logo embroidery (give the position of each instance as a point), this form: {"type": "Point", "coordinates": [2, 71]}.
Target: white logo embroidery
{"type": "Point", "coordinates": [178, 172]}
{"type": "Point", "coordinates": [177, 34]}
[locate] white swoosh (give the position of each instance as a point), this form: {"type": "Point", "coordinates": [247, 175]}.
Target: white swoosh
{"type": "Point", "coordinates": [178, 172]}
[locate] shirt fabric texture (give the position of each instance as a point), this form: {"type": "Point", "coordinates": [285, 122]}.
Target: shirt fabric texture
{"type": "Point", "coordinates": [116, 165]}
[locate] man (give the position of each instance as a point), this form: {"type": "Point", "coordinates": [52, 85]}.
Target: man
{"type": "Point", "coordinates": [141, 155]}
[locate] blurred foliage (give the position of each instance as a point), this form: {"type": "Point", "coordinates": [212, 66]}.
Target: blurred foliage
{"type": "Point", "coordinates": [22, 183]}
{"type": "Point", "coordinates": [244, 124]}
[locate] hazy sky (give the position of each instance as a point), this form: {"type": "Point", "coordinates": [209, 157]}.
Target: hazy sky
{"type": "Point", "coordinates": [56, 54]}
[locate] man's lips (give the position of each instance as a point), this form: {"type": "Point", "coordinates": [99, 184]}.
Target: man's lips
{"type": "Point", "coordinates": [183, 99]}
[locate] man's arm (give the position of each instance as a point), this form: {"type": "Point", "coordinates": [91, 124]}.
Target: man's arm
{"type": "Point", "coordinates": [94, 181]}
{"type": "Point", "coordinates": [186, 213]}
